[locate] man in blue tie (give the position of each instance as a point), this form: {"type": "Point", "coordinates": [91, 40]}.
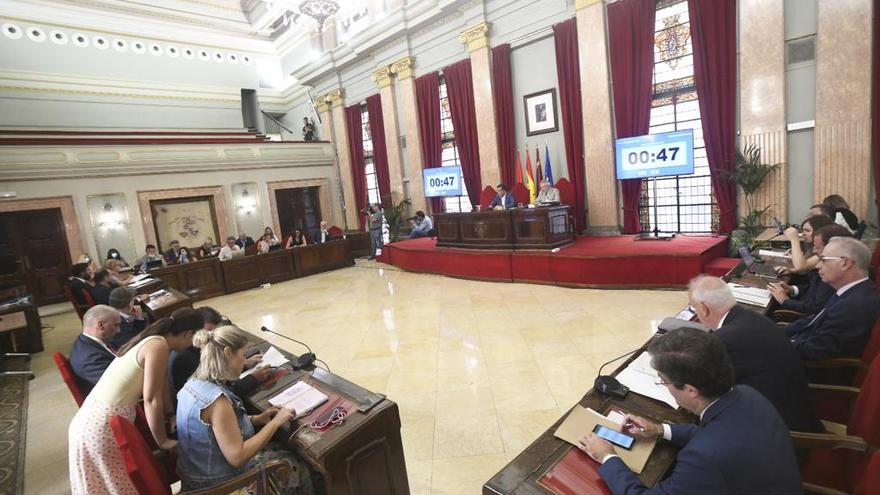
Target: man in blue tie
{"type": "Point", "coordinates": [843, 326]}
{"type": "Point", "coordinates": [740, 446]}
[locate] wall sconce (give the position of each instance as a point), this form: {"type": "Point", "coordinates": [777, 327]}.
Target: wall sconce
{"type": "Point", "coordinates": [246, 204]}
{"type": "Point", "coordinates": [110, 219]}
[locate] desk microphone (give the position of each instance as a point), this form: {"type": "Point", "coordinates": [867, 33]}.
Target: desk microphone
{"type": "Point", "coordinates": [608, 385]}
{"type": "Point", "coordinates": [304, 360]}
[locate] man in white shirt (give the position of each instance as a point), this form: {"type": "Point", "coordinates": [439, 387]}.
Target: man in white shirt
{"type": "Point", "coordinates": [227, 250]}
{"type": "Point", "coordinates": [421, 225]}
{"type": "Point", "coordinates": [91, 353]}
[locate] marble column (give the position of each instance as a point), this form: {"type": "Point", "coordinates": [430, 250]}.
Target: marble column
{"type": "Point", "coordinates": [404, 69]}
{"type": "Point", "coordinates": [843, 115]}
{"type": "Point", "coordinates": [326, 134]}
{"type": "Point", "coordinates": [603, 211]}
{"type": "Point", "coordinates": [762, 91]}
{"type": "Point", "coordinates": [340, 135]}
{"type": "Point", "coordinates": [476, 38]}
{"type": "Point", "coordinates": [383, 78]}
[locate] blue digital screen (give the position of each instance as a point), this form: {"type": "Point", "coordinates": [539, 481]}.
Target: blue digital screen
{"type": "Point", "coordinates": [442, 181]}
{"type": "Point", "coordinates": [655, 155]}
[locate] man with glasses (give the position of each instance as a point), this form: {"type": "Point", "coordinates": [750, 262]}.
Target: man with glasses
{"type": "Point", "coordinates": [843, 326]}
{"type": "Point", "coordinates": [740, 445]}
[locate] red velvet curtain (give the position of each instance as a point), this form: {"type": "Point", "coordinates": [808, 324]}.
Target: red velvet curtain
{"type": "Point", "coordinates": [713, 31]}
{"type": "Point", "coordinates": [428, 103]}
{"type": "Point", "coordinates": [504, 121]}
{"type": "Point", "coordinates": [380, 151]}
{"type": "Point", "coordinates": [631, 41]}
{"type": "Point", "coordinates": [569, 80]}
{"type": "Point", "coordinates": [875, 102]}
{"type": "Point", "coordinates": [356, 153]}
{"type": "Point", "coordinates": [460, 88]}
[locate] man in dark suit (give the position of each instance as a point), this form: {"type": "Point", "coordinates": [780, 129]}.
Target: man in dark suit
{"type": "Point", "coordinates": [244, 241]}
{"type": "Point", "coordinates": [79, 280]}
{"type": "Point", "coordinates": [843, 326]}
{"type": "Point", "coordinates": [131, 321]}
{"type": "Point", "coordinates": [173, 253]}
{"type": "Point", "coordinates": [504, 200]}
{"type": "Point", "coordinates": [101, 290]}
{"type": "Point", "coordinates": [324, 234]}
{"type": "Point", "coordinates": [760, 354]}
{"type": "Point", "coordinates": [740, 445]}
{"type": "Point", "coordinates": [91, 353]}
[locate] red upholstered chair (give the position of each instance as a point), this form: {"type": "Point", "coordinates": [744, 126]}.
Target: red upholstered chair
{"type": "Point", "coordinates": [865, 476]}
{"type": "Point", "coordinates": [148, 475]}
{"type": "Point", "coordinates": [486, 197]}
{"type": "Point", "coordinates": [566, 191]}
{"type": "Point", "coordinates": [80, 310]}
{"type": "Point", "coordinates": [69, 378]}
{"type": "Point", "coordinates": [521, 193]}
{"type": "Point", "coordinates": [335, 231]}
{"type": "Point", "coordinates": [88, 298]}
{"type": "Point", "coordinates": [859, 365]}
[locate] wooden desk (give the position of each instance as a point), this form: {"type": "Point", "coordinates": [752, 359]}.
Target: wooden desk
{"type": "Point", "coordinates": [199, 280]}
{"type": "Point", "coordinates": [147, 286]}
{"type": "Point", "coordinates": [521, 475]}
{"type": "Point", "coordinates": [518, 228]}
{"type": "Point", "coordinates": [250, 272]}
{"type": "Point", "coordinates": [162, 306]}
{"type": "Point", "coordinates": [317, 258]}
{"type": "Point", "coordinates": [30, 338]}
{"type": "Point", "coordinates": [362, 456]}
{"type": "Point", "coordinates": [360, 243]}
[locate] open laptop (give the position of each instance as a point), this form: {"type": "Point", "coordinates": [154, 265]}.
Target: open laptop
{"type": "Point", "coordinates": [754, 267]}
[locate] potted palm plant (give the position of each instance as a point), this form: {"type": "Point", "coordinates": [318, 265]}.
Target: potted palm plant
{"type": "Point", "coordinates": [749, 175]}
{"type": "Point", "coordinates": [395, 215]}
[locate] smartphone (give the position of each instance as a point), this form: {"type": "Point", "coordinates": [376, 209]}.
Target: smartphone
{"type": "Point", "coordinates": [615, 437]}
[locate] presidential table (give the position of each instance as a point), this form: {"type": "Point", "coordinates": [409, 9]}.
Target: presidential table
{"type": "Point", "coordinates": [516, 228]}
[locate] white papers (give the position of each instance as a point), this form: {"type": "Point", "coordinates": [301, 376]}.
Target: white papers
{"type": "Point", "coordinates": [272, 357]}
{"type": "Point", "coordinates": [301, 397]}
{"type": "Point", "coordinates": [138, 278]}
{"type": "Point", "coordinates": [750, 295]}
{"type": "Point", "coordinates": [641, 378]}
{"type": "Point", "coordinates": [766, 253]}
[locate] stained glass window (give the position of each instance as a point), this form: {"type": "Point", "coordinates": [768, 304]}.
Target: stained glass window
{"type": "Point", "coordinates": [685, 203]}
{"type": "Point", "coordinates": [450, 152]}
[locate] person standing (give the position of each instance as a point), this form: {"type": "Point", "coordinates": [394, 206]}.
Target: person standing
{"type": "Point", "coordinates": [377, 223]}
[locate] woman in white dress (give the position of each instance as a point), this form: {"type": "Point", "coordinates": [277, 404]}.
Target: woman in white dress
{"type": "Point", "coordinates": [140, 370]}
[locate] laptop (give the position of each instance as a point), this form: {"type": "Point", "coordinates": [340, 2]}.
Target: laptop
{"type": "Point", "coordinates": [754, 267]}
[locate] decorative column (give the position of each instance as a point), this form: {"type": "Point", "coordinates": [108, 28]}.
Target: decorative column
{"type": "Point", "coordinates": [603, 207]}
{"type": "Point", "coordinates": [476, 38]}
{"type": "Point", "coordinates": [404, 69]}
{"type": "Point", "coordinates": [326, 118]}
{"type": "Point", "coordinates": [392, 132]}
{"type": "Point", "coordinates": [762, 91]}
{"type": "Point", "coordinates": [327, 135]}
{"type": "Point", "coordinates": [340, 134]}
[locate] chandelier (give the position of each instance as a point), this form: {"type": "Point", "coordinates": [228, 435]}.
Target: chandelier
{"type": "Point", "coordinates": [319, 10]}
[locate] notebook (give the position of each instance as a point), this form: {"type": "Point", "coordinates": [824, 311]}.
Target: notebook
{"type": "Point", "coordinates": [581, 421]}
{"type": "Point", "coordinates": [301, 397]}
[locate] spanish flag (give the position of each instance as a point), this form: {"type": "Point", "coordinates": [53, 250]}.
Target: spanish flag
{"type": "Point", "coordinates": [530, 181]}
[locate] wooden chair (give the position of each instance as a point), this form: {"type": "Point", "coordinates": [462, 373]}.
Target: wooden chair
{"type": "Point", "coordinates": [335, 231]}
{"type": "Point", "coordinates": [148, 476]}
{"type": "Point", "coordinates": [865, 477]}
{"type": "Point", "coordinates": [858, 365]}
{"type": "Point", "coordinates": [87, 296]}
{"type": "Point", "coordinates": [63, 365]}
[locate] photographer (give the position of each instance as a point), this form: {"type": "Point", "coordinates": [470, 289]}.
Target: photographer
{"type": "Point", "coordinates": [377, 222]}
{"type": "Point", "coordinates": [421, 225]}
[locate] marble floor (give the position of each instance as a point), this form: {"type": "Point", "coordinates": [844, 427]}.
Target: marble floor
{"type": "Point", "coordinates": [479, 369]}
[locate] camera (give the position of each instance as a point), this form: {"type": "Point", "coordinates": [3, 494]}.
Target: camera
{"type": "Point", "coordinates": [366, 211]}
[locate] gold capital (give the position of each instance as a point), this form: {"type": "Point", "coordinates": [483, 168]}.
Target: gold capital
{"type": "Point", "coordinates": [335, 98]}
{"type": "Point", "coordinates": [322, 104]}
{"type": "Point", "coordinates": [383, 77]}
{"type": "Point", "coordinates": [404, 68]}
{"type": "Point", "coordinates": [582, 4]}
{"type": "Point", "coordinates": [475, 37]}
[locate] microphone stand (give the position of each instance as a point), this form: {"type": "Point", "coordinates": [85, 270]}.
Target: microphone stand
{"type": "Point", "coordinates": [304, 360]}
{"type": "Point", "coordinates": [608, 385]}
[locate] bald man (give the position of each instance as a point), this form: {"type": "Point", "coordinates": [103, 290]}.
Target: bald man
{"type": "Point", "coordinates": [761, 356]}
{"type": "Point", "coordinates": [91, 353]}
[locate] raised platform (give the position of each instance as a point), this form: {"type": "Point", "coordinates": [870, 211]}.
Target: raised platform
{"type": "Point", "coordinates": [600, 261]}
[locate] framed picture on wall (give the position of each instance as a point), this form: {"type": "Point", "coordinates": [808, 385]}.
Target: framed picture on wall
{"type": "Point", "coordinates": [541, 114]}
{"type": "Point", "coordinates": [187, 220]}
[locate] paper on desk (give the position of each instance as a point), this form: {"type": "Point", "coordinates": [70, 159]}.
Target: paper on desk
{"type": "Point", "coordinates": [582, 421]}
{"type": "Point", "coordinates": [138, 278]}
{"type": "Point", "coordinates": [766, 253]}
{"type": "Point", "coordinates": [642, 379]}
{"type": "Point", "coordinates": [301, 397]}
{"type": "Point", "coordinates": [750, 295]}
{"type": "Point", "coordinates": [272, 357]}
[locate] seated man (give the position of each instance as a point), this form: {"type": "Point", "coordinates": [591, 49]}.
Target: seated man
{"type": "Point", "coordinates": [173, 253]}
{"type": "Point", "coordinates": [149, 258]}
{"type": "Point", "coordinates": [207, 249]}
{"type": "Point", "coordinates": [131, 321]}
{"type": "Point", "coordinates": [324, 234]}
{"type": "Point", "coordinates": [91, 353]}
{"type": "Point", "coordinates": [843, 326]}
{"type": "Point", "coordinates": [101, 290]}
{"type": "Point", "coordinates": [760, 355]}
{"type": "Point", "coordinates": [244, 241]}
{"type": "Point", "coordinates": [79, 280]}
{"type": "Point", "coordinates": [504, 200]}
{"type": "Point", "coordinates": [740, 445]}
{"type": "Point", "coordinates": [230, 247]}
{"type": "Point", "coordinates": [547, 195]}
{"type": "Point", "coordinates": [421, 225]}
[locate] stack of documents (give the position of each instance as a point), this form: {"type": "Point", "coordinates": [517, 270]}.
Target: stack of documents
{"type": "Point", "coordinates": [272, 357]}
{"type": "Point", "coordinates": [766, 253]}
{"type": "Point", "coordinates": [301, 397]}
{"type": "Point", "coordinates": [750, 295]}
{"type": "Point", "coordinates": [641, 378]}
{"type": "Point", "coordinates": [137, 278]}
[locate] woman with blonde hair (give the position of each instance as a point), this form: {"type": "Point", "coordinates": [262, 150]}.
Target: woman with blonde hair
{"type": "Point", "coordinates": [217, 438]}
{"type": "Point", "coordinates": [117, 275]}
{"type": "Point", "coordinates": [139, 370]}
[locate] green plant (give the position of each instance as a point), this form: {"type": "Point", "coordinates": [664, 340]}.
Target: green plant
{"type": "Point", "coordinates": [749, 175]}
{"type": "Point", "coordinates": [395, 215]}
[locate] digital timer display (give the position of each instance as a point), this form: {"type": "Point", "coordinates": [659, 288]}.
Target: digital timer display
{"type": "Point", "coordinates": [655, 155]}
{"type": "Point", "coordinates": [442, 181]}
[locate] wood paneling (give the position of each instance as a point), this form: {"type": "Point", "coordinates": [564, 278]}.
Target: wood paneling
{"type": "Point", "coordinates": [199, 280]}
{"type": "Point", "coordinates": [317, 258]}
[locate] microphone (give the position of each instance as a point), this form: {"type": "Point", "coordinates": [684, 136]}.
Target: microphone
{"type": "Point", "coordinates": [608, 385]}
{"type": "Point", "coordinates": [304, 360]}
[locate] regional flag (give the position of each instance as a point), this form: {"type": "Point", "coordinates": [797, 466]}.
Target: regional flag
{"type": "Point", "coordinates": [519, 177]}
{"type": "Point", "coordinates": [548, 172]}
{"type": "Point", "coordinates": [530, 181]}
{"type": "Point", "coordinates": [538, 168]}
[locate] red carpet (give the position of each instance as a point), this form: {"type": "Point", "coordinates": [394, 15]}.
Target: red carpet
{"type": "Point", "coordinates": [601, 261]}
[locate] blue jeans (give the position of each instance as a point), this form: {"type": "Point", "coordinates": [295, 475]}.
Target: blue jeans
{"type": "Point", "coordinates": [376, 241]}
{"type": "Point", "coordinates": [415, 234]}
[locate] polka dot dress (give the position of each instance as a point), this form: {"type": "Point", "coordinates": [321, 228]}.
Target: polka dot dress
{"type": "Point", "coordinates": [96, 465]}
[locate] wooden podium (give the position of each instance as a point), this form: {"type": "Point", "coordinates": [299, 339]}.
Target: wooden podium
{"type": "Point", "coordinates": [516, 228]}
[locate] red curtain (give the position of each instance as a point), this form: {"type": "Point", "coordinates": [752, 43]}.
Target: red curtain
{"type": "Point", "coordinates": [875, 102]}
{"type": "Point", "coordinates": [460, 88]}
{"type": "Point", "coordinates": [380, 151]}
{"type": "Point", "coordinates": [356, 153]}
{"type": "Point", "coordinates": [428, 103]}
{"type": "Point", "coordinates": [504, 121]}
{"type": "Point", "coordinates": [569, 80]}
{"type": "Point", "coordinates": [631, 42]}
{"type": "Point", "coordinates": [713, 31]}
